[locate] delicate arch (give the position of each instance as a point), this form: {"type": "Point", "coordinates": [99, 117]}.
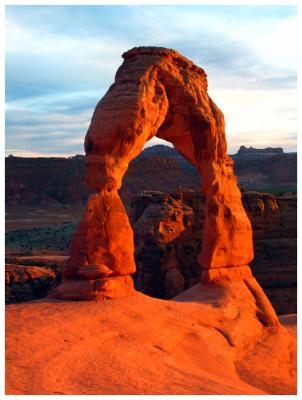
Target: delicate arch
{"type": "Point", "coordinates": [157, 92]}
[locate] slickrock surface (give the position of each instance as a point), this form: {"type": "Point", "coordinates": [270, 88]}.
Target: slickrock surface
{"type": "Point", "coordinates": [208, 340]}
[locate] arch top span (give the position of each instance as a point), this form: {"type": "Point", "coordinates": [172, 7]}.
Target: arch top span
{"type": "Point", "coordinates": [158, 92]}
{"type": "Point", "coordinates": [164, 52]}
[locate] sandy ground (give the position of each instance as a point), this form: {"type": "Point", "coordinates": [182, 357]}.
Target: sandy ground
{"type": "Point", "coordinates": [142, 345]}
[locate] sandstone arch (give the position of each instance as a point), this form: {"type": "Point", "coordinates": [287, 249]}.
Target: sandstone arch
{"type": "Point", "coordinates": [159, 92]}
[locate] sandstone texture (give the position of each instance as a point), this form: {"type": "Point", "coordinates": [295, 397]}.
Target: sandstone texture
{"type": "Point", "coordinates": [211, 339]}
{"type": "Point", "coordinates": [158, 92]}
{"type": "Point", "coordinates": [100, 239]}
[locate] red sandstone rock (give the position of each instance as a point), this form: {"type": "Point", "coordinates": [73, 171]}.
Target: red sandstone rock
{"type": "Point", "coordinates": [165, 94]}
{"type": "Point", "coordinates": [96, 289]}
{"type": "Point", "coordinates": [219, 275]}
{"type": "Point", "coordinates": [103, 237]}
{"type": "Point", "coordinates": [102, 245]}
{"type": "Point", "coordinates": [74, 289]}
{"type": "Point", "coordinates": [94, 272]}
{"type": "Point", "coordinates": [207, 340]}
{"type": "Point", "coordinates": [263, 211]}
{"type": "Point", "coordinates": [166, 260]}
{"type": "Point", "coordinates": [116, 286]}
{"type": "Point", "coordinates": [159, 92]}
{"type": "Point", "coordinates": [265, 312]}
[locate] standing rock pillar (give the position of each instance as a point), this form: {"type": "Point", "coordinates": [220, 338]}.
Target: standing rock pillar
{"type": "Point", "coordinates": [101, 255]}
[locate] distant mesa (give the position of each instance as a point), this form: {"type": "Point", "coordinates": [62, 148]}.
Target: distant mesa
{"type": "Point", "coordinates": [159, 149]}
{"type": "Point", "coordinates": [77, 157]}
{"type": "Point", "coordinates": [251, 150]}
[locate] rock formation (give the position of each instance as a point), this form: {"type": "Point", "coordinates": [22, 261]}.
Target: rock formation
{"type": "Point", "coordinates": [208, 340]}
{"type": "Point", "coordinates": [24, 283]}
{"type": "Point", "coordinates": [166, 264]}
{"type": "Point", "coordinates": [157, 92]}
{"type": "Point", "coordinates": [166, 251]}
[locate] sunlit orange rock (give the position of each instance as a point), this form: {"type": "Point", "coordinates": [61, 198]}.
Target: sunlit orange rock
{"type": "Point", "coordinates": [219, 275]}
{"type": "Point", "coordinates": [157, 92]}
{"type": "Point", "coordinates": [103, 243]}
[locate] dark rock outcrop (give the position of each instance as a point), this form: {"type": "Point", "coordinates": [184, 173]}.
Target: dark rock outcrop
{"type": "Point", "coordinates": [167, 241]}
{"type": "Point", "coordinates": [30, 277]}
{"type": "Point", "coordinates": [167, 231]}
{"type": "Point", "coordinates": [251, 150]}
{"type": "Point", "coordinates": [267, 172]}
{"type": "Point", "coordinates": [44, 181]}
{"type": "Point", "coordinates": [24, 283]}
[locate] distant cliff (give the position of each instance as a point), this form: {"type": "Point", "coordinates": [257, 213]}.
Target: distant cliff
{"type": "Point", "coordinates": [57, 181]}
{"type": "Point", "coordinates": [44, 181]}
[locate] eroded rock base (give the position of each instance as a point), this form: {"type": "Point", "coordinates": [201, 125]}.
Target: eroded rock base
{"type": "Point", "coordinates": [219, 275]}
{"type": "Point", "coordinates": [98, 289]}
{"type": "Point", "coordinates": [223, 276]}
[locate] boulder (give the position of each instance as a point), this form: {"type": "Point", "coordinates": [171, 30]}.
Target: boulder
{"type": "Point", "coordinates": [25, 283]}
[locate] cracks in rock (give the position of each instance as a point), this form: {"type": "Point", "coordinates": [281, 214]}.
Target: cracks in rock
{"type": "Point", "coordinates": [226, 336]}
{"type": "Point", "coordinates": [264, 313]}
{"type": "Point", "coordinates": [106, 209]}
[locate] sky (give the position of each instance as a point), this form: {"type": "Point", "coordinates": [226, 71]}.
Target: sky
{"type": "Point", "coordinates": [60, 61]}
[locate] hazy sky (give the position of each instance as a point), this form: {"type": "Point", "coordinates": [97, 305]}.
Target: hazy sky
{"type": "Point", "coordinates": [60, 60]}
